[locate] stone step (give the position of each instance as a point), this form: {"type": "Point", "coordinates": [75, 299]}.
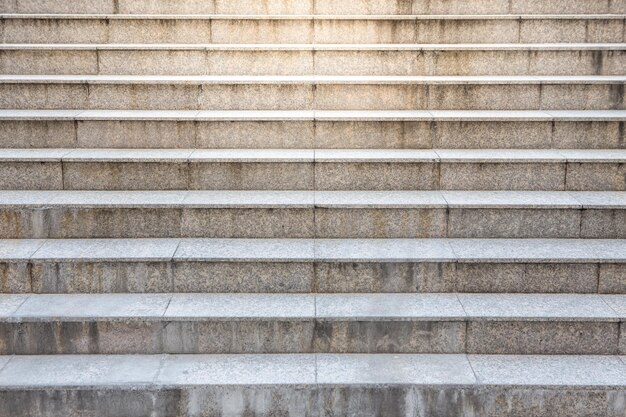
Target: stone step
{"type": "Point", "coordinates": [586, 266]}
{"type": "Point", "coordinates": [312, 129]}
{"type": "Point", "coordinates": [425, 28]}
{"type": "Point", "coordinates": [376, 59]}
{"type": "Point", "coordinates": [300, 7]}
{"type": "Point", "coordinates": [320, 169]}
{"type": "Point", "coordinates": [306, 323]}
{"type": "Point", "coordinates": [95, 92]}
{"type": "Point", "coordinates": [325, 214]}
{"type": "Point", "coordinates": [313, 384]}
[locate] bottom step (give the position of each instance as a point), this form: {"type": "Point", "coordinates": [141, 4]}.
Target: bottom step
{"type": "Point", "coordinates": [313, 385]}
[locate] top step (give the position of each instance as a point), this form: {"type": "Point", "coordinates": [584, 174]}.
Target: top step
{"type": "Point", "coordinates": [328, 7]}
{"type": "Point", "coordinates": [306, 29]}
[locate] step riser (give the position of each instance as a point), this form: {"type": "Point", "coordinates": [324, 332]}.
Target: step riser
{"type": "Point", "coordinates": [306, 277]}
{"type": "Point", "coordinates": [65, 223]}
{"type": "Point", "coordinates": [313, 400]}
{"type": "Point", "coordinates": [137, 336]}
{"type": "Point", "coordinates": [312, 134]}
{"type": "Point", "coordinates": [320, 62]}
{"type": "Point", "coordinates": [321, 7]}
{"type": "Point", "coordinates": [297, 31]}
{"type": "Point", "coordinates": [533, 96]}
{"type": "Point", "coordinates": [522, 176]}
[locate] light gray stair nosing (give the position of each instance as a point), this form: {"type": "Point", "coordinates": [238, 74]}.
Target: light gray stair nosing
{"type": "Point", "coordinates": [320, 115]}
{"type": "Point", "coordinates": [153, 372]}
{"type": "Point", "coordinates": [313, 79]}
{"type": "Point", "coordinates": [413, 17]}
{"type": "Point", "coordinates": [317, 250]}
{"type": "Point", "coordinates": [320, 47]}
{"type": "Point", "coordinates": [323, 199]}
{"type": "Point", "coordinates": [317, 155]}
{"type": "Point", "coordinates": [327, 307]}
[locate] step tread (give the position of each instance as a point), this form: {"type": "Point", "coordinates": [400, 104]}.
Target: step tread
{"type": "Point", "coordinates": [313, 79]}
{"type": "Point", "coordinates": [323, 115]}
{"type": "Point", "coordinates": [303, 199]}
{"type": "Point", "coordinates": [319, 46]}
{"type": "Point", "coordinates": [134, 371]}
{"type": "Point", "coordinates": [311, 250]}
{"type": "Point", "coordinates": [350, 307]}
{"type": "Point", "coordinates": [93, 16]}
{"type": "Point", "coordinates": [314, 155]}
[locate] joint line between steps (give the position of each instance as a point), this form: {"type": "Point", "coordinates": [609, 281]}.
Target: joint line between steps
{"type": "Point", "coordinates": [619, 323]}
{"type": "Point", "coordinates": [75, 137]}
{"type": "Point", "coordinates": [173, 267]}
{"type": "Point", "coordinates": [161, 365]}
{"type": "Point", "coordinates": [566, 163]}
{"type": "Point", "coordinates": [580, 221]}
{"type": "Point", "coordinates": [169, 301]}
{"type": "Point", "coordinates": [315, 324]}
{"type": "Point", "coordinates": [12, 356]}
{"type": "Point", "coordinates": [469, 362]}
{"type": "Point", "coordinates": [98, 61]}
{"type": "Point", "coordinates": [21, 304]}
{"type": "Point", "coordinates": [62, 163]}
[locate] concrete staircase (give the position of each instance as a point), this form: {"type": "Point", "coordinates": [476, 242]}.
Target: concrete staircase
{"type": "Point", "coordinates": [312, 208]}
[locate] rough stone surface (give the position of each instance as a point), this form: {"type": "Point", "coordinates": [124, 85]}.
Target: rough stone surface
{"type": "Point", "coordinates": [314, 208]}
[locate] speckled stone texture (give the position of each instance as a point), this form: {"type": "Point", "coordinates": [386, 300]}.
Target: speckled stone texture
{"type": "Point", "coordinates": [308, 95]}
{"type": "Point", "coordinates": [344, 277]}
{"type": "Point", "coordinates": [31, 175]}
{"type": "Point", "coordinates": [48, 62]}
{"type": "Point", "coordinates": [322, 7]}
{"type": "Point", "coordinates": [248, 223]}
{"type": "Point", "coordinates": [125, 176]}
{"type": "Point", "coordinates": [391, 277]}
{"type": "Point", "coordinates": [500, 176]}
{"type": "Point", "coordinates": [597, 177]}
{"type": "Point", "coordinates": [15, 278]}
{"type": "Point", "coordinates": [53, 134]}
{"type": "Point", "coordinates": [316, 208]}
{"type": "Point", "coordinates": [404, 383]}
{"type": "Point", "coordinates": [380, 223]}
{"type": "Point", "coordinates": [296, 134]}
{"type": "Point", "coordinates": [321, 30]}
{"type": "Point", "coordinates": [305, 61]}
{"type": "Point", "coordinates": [526, 277]}
{"type": "Point", "coordinates": [251, 176]}
{"type": "Point", "coordinates": [244, 135]}
{"type": "Point", "coordinates": [389, 337]}
{"type": "Point", "coordinates": [327, 401]}
{"type": "Point", "coordinates": [543, 338]}
{"type": "Point", "coordinates": [376, 176]}
{"type": "Point", "coordinates": [612, 279]}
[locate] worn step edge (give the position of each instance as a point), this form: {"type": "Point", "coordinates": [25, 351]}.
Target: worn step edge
{"type": "Point", "coordinates": [309, 384]}
{"type": "Point", "coordinates": [130, 372]}
{"type": "Point", "coordinates": [308, 265]}
{"type": "Point", "coordinates": [314, 250]}
{"type": "Point", "coordinates": [319, 47]}
{"type": "Point", "coordinates": [614, 156]}
{"type": "Point", "coordinates": [93, 16]}
{"type": "Point", "coordinates": [313, 79]}
{"type": "Point", "coordinates": [303, 199]}
{"type": "Point", "coordinates": [344, 307]}
{"type": "Point", "coordinates": [310, 115]}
